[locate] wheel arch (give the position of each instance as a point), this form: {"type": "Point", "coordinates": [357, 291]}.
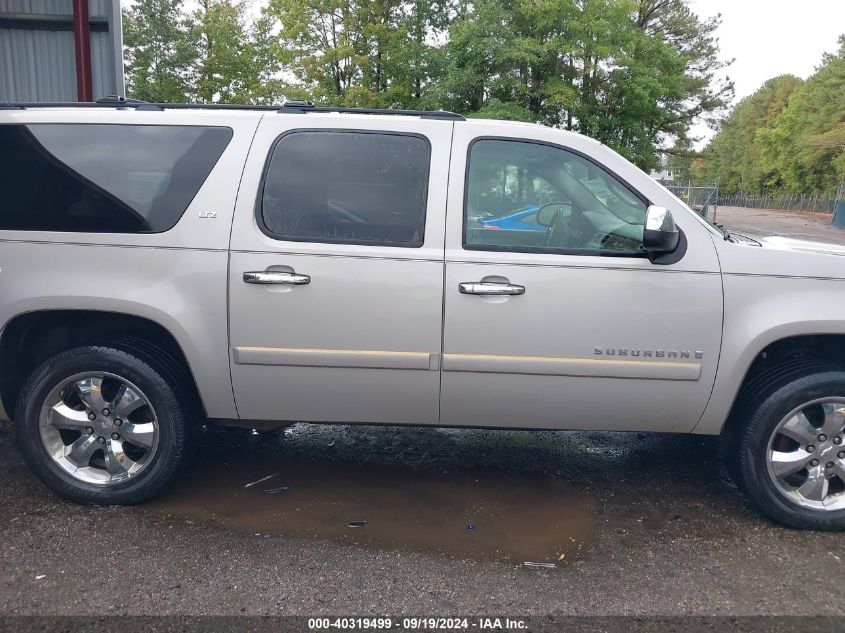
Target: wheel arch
{"type": "Point", "coordinates": [786, 344]}
{"type": "Point", "coordinates": [31, 337]}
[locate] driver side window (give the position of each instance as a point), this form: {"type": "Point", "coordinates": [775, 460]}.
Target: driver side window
{"type": "Point", "coordinates": [531, 197]}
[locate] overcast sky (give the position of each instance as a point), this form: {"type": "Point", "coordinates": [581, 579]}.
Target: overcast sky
{"type": "Point", "coordinates": [767, 38]}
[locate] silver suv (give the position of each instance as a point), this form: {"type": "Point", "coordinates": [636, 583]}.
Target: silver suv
{"type": "Point", "coordinates": [162, 265]}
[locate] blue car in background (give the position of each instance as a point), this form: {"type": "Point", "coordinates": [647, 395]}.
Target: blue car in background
{"type": "Point", "coordinates": [524, 219]}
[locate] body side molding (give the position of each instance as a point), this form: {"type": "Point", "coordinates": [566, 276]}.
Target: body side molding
{"type": "Point", "coordinates": [368, 359]}
{"type": "Point", "coordinates": [541, 365]}
{"type": "Point", "coordinates": [556, 366]}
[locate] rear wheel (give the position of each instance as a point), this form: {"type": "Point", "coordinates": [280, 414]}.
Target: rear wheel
{"type": "Point", "coordinates": [99, 425]}
{"type": "Point", "coordinates": [788, 449]}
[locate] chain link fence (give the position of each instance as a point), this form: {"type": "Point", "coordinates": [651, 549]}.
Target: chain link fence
{"type": "Point", "coordinates": [811, 203]}
{"type": "Point", "coordinates": [702, 198]}
{"type": "Point", "coordinates": [706, 197]}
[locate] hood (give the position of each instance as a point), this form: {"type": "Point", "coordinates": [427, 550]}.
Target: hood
{"type": "Point", "coordinates": [803, 246]}
{"type": "Point", "coordinates": [781, 257]}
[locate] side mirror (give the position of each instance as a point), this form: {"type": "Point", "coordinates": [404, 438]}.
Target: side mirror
{"type": "Point", "coordinates": [660, 235]}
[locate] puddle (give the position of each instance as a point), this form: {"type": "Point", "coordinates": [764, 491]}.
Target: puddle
{"type": "Point", "coordinates": [485, 514]}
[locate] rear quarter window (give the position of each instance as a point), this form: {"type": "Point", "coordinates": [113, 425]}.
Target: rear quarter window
{"type": "Point", "coordinates": [103, 178]}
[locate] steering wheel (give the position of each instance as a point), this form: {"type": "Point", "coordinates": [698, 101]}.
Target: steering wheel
{"type": "Point", "coordinates": [559, 233]}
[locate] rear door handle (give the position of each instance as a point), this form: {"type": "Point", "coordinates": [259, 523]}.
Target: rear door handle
{"type": "Point", "coordinates": [268, 277]}
{"type": "Point", "coordinates": [489, 288]}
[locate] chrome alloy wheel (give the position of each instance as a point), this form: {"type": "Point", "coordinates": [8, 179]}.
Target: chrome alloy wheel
{"type": "Point", "coordinates": [806, 455]}
{"type": "Point", "coordinates": [99, 428]}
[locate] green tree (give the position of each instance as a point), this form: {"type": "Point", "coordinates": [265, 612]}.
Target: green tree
{"type": "Point", "coordinates": [417, 57]}
{"type": "Point", "coordinates": [634, 74]}
{"type": "Point", "coordinates": [806, 145]}
{"type": "Point", "coordinates": [224, 67]}
{"type": "Point", "coordinates": [321, 40]}
{"type": "Point", "coordinates": [667, 81]}
{"type": "Point", "coordinates": [735, 156]}
{"type": "Point", "coordinates": [789, 136]}
{"type": "Point", "coordinates": [680, 159]}
{"type": "Point", "coordinates": [372, 53]}
{"type": "Point", "coordinates": [265, 83]}
{"type": "Point", "coordinates": [157, 52]}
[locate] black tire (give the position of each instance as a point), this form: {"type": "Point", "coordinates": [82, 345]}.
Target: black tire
{"type": "Point", "coordinates": [757, 415]}
{"type": "Point", "coordinates": [164, 397]}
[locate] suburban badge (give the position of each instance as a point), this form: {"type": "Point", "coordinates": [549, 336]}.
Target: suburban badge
{"type": "Point", "coordinates": [646, 353]}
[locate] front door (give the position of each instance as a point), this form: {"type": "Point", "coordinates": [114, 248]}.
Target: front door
{"type": "Point", "coordinates": [336, 270]}
{"type": "Point", "coordinates": [554, 316]}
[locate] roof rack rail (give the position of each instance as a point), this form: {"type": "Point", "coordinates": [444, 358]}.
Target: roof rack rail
{"type": "Point", "coordinates": [117, 100]}
{"type": "Point", "coordinates": [303, 107]}
{"type": "Point", "coordinates": [114, 101]}
{"type": "Point", "coordinates": [289, 107]}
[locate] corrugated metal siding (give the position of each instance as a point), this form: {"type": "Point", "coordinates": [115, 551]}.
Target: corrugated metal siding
{"type": "Point", "coordinates": [98, 7]}
{"type": "Point", "coordinates": [40, 65]}
{"type": "Point", "coordinates": [39, 7]}
{"type": "Point", "coordinates": [51, 7]}
{"type": "Point", "coordinates": [102, 64]}
{"type": "Point", "coordinates": [37, 66]}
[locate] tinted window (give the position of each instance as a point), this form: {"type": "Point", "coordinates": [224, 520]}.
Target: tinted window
{"type": "Point", "coordinates": [103, 178]}
{"type": "Point", "coordinates": [348, 187]}
{"type": "Point", "coordinates": [524, 196]}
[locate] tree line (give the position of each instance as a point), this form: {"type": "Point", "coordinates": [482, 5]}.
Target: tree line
{"type": "Point", "coordinates": [786, 138]}
{"type": "Point", "coordinates": [634, 74]}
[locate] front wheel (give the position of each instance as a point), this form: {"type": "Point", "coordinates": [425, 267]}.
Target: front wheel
{"type": "Point", "coordinates": [101, 426]}
{"type": "Point", "coordinates": [789, 450]}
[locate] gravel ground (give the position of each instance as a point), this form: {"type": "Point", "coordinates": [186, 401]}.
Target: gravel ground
{"type": "Point", "coordinates": [806, 226]}
{"type": "Point", "coordinates": [645, 524]}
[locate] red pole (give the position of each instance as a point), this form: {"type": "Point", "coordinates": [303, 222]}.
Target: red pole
{"type": "Point", "coordinates": [82, 47]}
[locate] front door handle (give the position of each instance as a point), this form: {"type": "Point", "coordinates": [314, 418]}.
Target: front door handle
{"type": "Point", "coordinates": [490, 288]}
{"type": "Point", "coordinates": [268, 277]}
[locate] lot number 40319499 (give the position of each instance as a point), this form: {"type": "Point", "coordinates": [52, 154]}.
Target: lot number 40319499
{"type": "Point", "coordinates": [316, 624]}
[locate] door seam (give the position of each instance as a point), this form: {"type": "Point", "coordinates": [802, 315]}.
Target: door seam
{"type": "Point", "coordinates": [443, 284]}
{"type": "Point", "coordinates": [229, 268]}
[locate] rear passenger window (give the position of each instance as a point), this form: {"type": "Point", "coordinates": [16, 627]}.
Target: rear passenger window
{"type": "Point", "coordinates": [103, 178]}
{"type": "Point", "coordinates": [346, 187]}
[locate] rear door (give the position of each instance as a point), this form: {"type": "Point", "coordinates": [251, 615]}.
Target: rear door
{"type": "Point", "coordinates": [336, 269]}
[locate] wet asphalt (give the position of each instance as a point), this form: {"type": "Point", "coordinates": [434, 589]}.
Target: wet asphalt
{"type": "Point", "coordinates": [633, 524]}
{"type": "Point", "coordinates": [815, 227]}
{"type": "Point", "coordinates": [648, 524]}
